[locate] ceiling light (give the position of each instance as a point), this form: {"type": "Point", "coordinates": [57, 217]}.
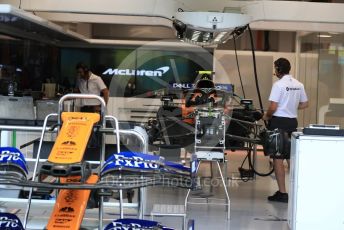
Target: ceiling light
{"type": "Point", "coordinates": [324, 36]}
{"type": "Point", "coordinates": [209, 28]}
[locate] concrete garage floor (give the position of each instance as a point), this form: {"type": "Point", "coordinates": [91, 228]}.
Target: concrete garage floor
{"type": "Point", "coordinates": [249, 210]}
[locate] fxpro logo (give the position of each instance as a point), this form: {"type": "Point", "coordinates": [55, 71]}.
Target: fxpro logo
{"type": "Point", "coordinates": [132, 72]}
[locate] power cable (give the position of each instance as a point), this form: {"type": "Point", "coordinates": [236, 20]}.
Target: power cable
{"type": "Point", "coordinates": [255, 72]}
{"type": "Point", "coordinates": [251, 166]}
{"type": "Point", "coordinates": [250, 153]}
{"type": "Point", "coordinates": [238, 67]}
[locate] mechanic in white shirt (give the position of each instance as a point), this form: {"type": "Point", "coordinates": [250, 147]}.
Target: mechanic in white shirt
{"type": "Point", "coordinates": [286, 97]}
{"type": "Point", "coordinates": [89, 83]}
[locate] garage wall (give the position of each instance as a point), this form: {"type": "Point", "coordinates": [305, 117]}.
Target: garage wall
{"type": "Point", "coordinates": [226, 71]}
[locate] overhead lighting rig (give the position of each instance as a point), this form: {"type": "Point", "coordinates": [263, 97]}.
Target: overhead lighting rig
{"type": "Point", "coordinates": [209, 28]}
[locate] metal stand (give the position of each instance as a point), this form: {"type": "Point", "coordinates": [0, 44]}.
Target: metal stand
{"type": "Point", "coordinates": [169, 210]}
{"type": "Point", "coordinates": [210, 145]}
{"type": "Point", "coordinates": [224, 187]}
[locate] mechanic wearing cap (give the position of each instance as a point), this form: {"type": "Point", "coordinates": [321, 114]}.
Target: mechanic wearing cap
{"type": "Point", "coordinates": [286, 97]}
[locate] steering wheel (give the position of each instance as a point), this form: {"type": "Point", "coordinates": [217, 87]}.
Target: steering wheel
{"type": "Point", "coordinates": [203, 99]}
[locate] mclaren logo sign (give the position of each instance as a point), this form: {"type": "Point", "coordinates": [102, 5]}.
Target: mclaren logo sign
{"type": "Point", "coordinates": [132, 72]}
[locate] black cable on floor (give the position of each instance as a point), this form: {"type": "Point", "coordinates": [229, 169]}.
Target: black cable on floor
{"type": "Point", "coordinates": [250, 153]}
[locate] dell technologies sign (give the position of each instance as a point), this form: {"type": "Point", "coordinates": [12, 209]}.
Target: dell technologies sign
{"type": "Point", "coordinates": [132, 72]}
{"type": "Point", "coordinates": [218, 86]}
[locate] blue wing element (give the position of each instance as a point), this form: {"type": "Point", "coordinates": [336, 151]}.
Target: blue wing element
{"type": "Point", "coordinates": [12, 158]}
{"type": "Point", "coordinates": [12, 151]}
{"type": "Point", "coordinates": [10, 221]}
{"type": "Point", "coordinates": [122, 224]}
{"type": "Point", "coordinates": [132, 160]}
{"type": "Point", "coordinates": [134, 155]}
{"type": "Point", "coordinates": [141, 162]}
{"type": "Point", "coordinates": [177, 166]}
{"type": "Point", "coordinates": [130, 169]}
